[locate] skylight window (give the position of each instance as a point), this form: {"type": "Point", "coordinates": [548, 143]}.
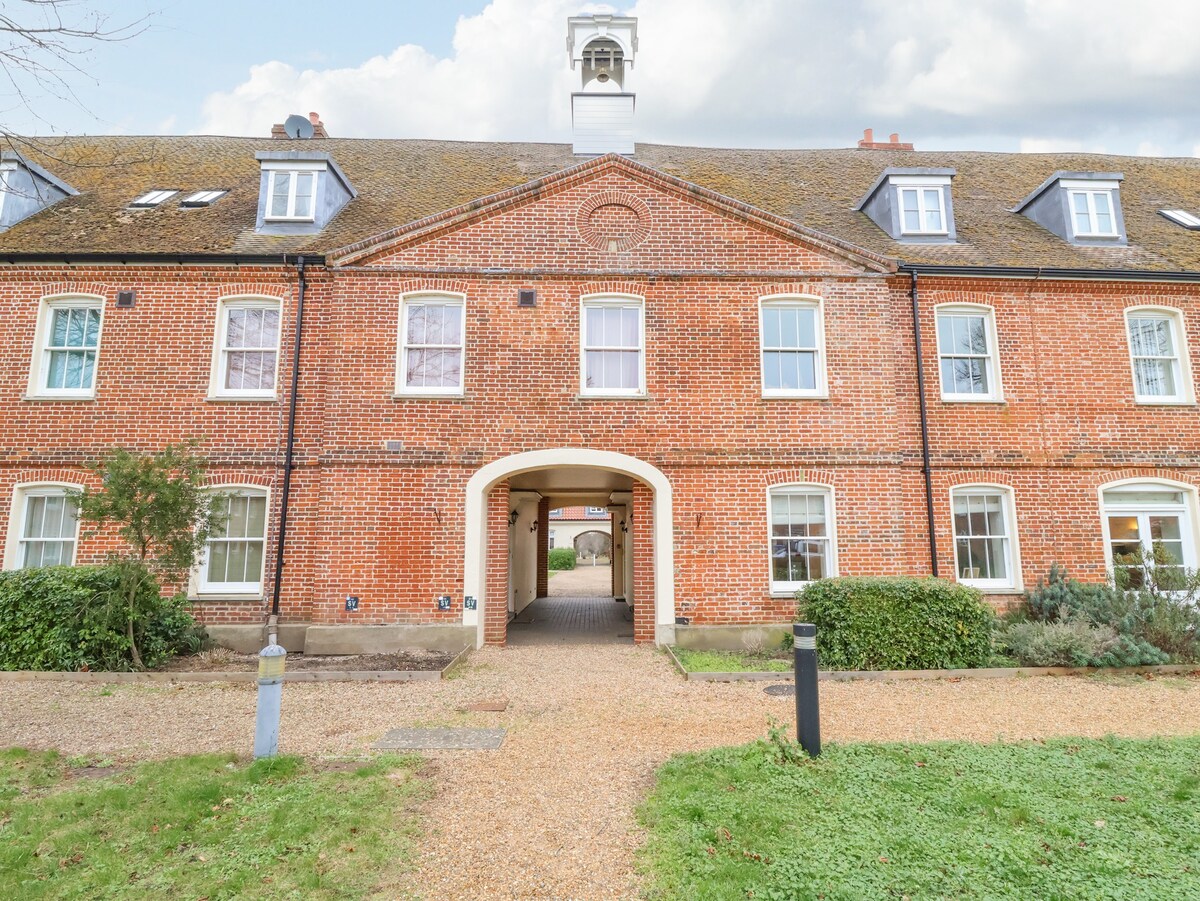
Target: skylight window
{"type": "Point", "coordinates": [153, 198]}
{"type": "Point", "coordinates": [1182, 217]}
{"type": "Point", "coordinates": [202, 198]}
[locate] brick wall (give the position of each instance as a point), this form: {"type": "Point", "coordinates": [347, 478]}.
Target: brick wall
{"type": "Point", "coordinates": [388, 525]}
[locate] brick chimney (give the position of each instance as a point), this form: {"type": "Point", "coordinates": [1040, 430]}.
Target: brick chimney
{"type": "Point", "coordinates": [868, 142]}
{"type": "Point", "coordinates": [320, 132]}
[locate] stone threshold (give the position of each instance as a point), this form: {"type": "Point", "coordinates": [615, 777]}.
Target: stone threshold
{"type": "Point", "coordinates": [100, 678]}
{"type": "Point", "coordinates": [1003, 672]}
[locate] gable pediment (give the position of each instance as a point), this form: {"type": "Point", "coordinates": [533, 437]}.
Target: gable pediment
{"type": "Point", "coordinates": [611, 214]}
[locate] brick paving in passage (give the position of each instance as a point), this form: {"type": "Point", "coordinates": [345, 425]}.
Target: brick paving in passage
{"type": "Point", "coordinates": [572, 620]}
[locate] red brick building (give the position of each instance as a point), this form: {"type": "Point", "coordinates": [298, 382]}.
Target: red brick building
{"type": "Point", "coordinates": [717, 346]}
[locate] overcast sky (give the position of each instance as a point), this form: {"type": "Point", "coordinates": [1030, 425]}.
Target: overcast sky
{"type": "Point", "coordinates": [1112, 76]}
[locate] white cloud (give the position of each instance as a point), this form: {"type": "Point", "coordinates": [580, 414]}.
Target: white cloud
{"type": "Point", "coordinates": [780, 73]}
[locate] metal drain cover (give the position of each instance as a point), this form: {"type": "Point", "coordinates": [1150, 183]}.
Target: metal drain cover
{"type": "Point", "coordinates": [781, 691]}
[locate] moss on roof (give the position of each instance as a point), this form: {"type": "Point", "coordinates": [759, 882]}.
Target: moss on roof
{"type": "Point", "coordinates": [400, 181]}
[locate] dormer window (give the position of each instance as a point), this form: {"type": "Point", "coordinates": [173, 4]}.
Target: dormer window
{"type": "Point", "coordinates": [1082, 208]}
{"type": "Point", "coordinates": [912, 205]}
{"type": "Point", "coordinates": [291, 195]}
{"type": "Point", "coordinates": [152, 199]}
{"type": "Point", "coordinates": [1093, 214]}
{"type": "Point", "coordinates": [299, 192]}
{"type": "Point", "coordinates": [26, 189]}
{"type": "Point", "coordinates": [921, 211]}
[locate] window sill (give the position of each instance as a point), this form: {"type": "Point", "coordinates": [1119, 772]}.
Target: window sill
{"type": "Point", "coordinates": [241, 399]}
{"type": "Point", "coordinates": [1149, 402]}
{"type": "Point", "coordinates": [39, 398]}
{"type": "Point", "coordinates": [1009, 590]}
{"type": "Point", "coordinates": [613, 397]}
{"type": "Point", "coordinates": [998, 401]}
{"type": "Point", "coordinates": [823, 396]}
{"type": "Point", "coordinates": [302, 220]}
{"type": "Point", "coordinates": [424, 395]}
{"type": "Point", "coordinates": [202, 597]}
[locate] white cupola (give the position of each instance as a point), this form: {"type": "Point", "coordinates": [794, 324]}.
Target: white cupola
{"type": "Point", "coordinates": [603, 46]}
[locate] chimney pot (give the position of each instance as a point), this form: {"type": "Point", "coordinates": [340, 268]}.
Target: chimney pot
{"type": "Point", "coordinates": [314, 118]}
{"type": "Point", "coordinates": [894, 138]}
{"type": "Point", "coordinates": [868, 136]}
{"type": "Point", "coordinates": [868, 142]}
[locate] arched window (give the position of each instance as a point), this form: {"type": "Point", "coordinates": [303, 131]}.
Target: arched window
{"type": "Point", "coordinates": [1161, 374]}
{"type": "Point", "coordinates": [1149, 530]}
{"type": "Point", "coordinates": [43, 526]}
{"type": "Point", "coordinates": [801, 536]}
{"type": "Point", "coordinates": [985, 537]}
{"type": "Point", "coordinates": [792, 347]}
{"type": "Point", "coordinates": [232, 563]}
{"type": "Point", "coordinates": [246, 355]}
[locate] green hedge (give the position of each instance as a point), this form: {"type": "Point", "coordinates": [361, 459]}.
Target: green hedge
{"type": "Point", "coordinates": [70, 618]}
{"type": "Point", "coordinates": [897, 623]}
{"type": "Point", "coordinates": [562, 558]}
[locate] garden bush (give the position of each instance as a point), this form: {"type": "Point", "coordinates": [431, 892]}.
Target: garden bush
{"type": "Point", "coordinates": [897, 623]}
{"type": "Point", "coordinates": [73, 618]}
{"type": "Point", "coordinates": [562, 558]}
{"type": "Point", "coordinates": [1153, 625]}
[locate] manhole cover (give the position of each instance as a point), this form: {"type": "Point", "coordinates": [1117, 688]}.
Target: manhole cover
{"type": "Point", "coordinates": [780, 690]}
{"type": "Point", "coordinates": [441, 740]}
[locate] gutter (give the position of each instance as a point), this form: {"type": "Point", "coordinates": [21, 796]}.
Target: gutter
{"type": "Point", "coordinates": [926, 469]}
{"type": "Point", "coordinates": [1036, 272]}
{"type": "Point", "coordinates": [288, 456]}
{"type": "Point", "coordinates": [179, 259]}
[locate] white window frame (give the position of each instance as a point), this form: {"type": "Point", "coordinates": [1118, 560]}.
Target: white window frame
{"type": "Point", "coordinates": [6, 170]}
{"type": "Point", "coordinates": [796, 301]}
{"type": "Point", "coordinates": [996, 393]}
{"type": "Point", "coordinates": [1090, 189]}
{"type": "Point", "coordinates": [40, 369]}
{"type": "Point", "coordinates": [1189, 519]}
{"type": "Point", "coordinates": [291, 168]}
{"type": "Point", "coordinates": [201, 588]}
{"type": "Point", "coordinates": [437, 298]}
{"type": "Point", "coordinates": [1185, 389]}
{"type": "Point", "coordinates": [921, 184]}
{"type": "Point", "coordinates": [1014, 582]}
{"type": "Point", "coordinates": [216, 382]}
{"type": "Point", "coordinates": [787, 589]}
{"type": "Point", "coordinates": [16, 517]}
{"type": "Point", "coordinates": [625, 301]}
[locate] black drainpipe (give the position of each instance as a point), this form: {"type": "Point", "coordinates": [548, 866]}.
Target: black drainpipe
{"type": "Point", "coordinates": [288, 456]}
{"type": "Point", "coordinates": [916, 314]}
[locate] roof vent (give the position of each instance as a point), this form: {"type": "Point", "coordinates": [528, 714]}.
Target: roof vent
{"type": "Point", "coordinates": [868, 142]}
{"type": "Point", "coordinates": [602, 110]}
{"type": "Point", "coordinates": [300, 128]}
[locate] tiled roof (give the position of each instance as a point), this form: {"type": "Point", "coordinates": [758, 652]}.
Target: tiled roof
{"type": "Point", "coordinates": [577, 513]}
{"type": "Point", "coordinates": [400, 181]}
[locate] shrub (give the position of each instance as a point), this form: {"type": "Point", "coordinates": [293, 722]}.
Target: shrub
{"type": "Point", "coordinates": [562, 558]}
{"type": "Point", "coordinates": [1066, 642]}
{"type": "Point", "coordinates": [72, 618]}
{"type": "Point", "coordinates": [1152, 624]}
{"type": "Point", "coordinates": [897, 623]}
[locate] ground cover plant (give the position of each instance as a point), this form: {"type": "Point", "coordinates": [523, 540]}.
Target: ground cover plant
{"type": "Point", "coordinates": [1111, 818]}
{"type": "Point", "coordinates": [885, 623]}
{"type": "Point", "coordinates": [734, 661]}
{"type": "Point", "coordinates": [203, 827]}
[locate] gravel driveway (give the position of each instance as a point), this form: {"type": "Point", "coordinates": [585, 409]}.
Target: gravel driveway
{"type": "Point", "coordinates": [551, 814]}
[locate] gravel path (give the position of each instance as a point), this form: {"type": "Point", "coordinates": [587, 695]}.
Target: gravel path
{"type": "Point", "coordinates": [584, 580]}
{"type": "Point", "coordinates": [551, 814]}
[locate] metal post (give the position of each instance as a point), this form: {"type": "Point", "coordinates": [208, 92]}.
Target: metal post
{"type": "Point", "coordinates": [271, 661]}
{"type": "Point", "coordinates": [808, 707]}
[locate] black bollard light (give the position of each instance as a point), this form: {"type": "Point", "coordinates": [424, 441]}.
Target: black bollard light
{"type": "Point", "coordinates": [808, 706]}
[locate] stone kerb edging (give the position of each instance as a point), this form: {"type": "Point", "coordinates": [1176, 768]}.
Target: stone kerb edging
{"type": "Point", "coordinates": [1004, 672]}
{"type": "Point", "coordinates": [295, 676]}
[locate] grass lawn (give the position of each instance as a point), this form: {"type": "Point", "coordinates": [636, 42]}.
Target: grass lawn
{"type": "Point", "coordinates": [734, 662]}
{"type": "Point", "coordinates": [1063, 819]}
{"type": "Point", "coordinates": [203, 827]}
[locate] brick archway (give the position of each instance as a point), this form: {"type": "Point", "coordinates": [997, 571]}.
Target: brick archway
{"type": "Point", "coordinates": [485, 553]}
